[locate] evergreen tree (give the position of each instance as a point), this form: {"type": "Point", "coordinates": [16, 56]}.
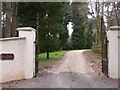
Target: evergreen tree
{"type": "Point", "coordinates": [66, 19]}
{"type": "Point", "coordinates": [47, 18]}
{"type": "Point", "coordinates": [80, 25]}
{"type": "Point", "coordinates": [90, 33]}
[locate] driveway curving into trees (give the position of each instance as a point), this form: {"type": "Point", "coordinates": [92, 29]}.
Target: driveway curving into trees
{"type": "Point", "coordinates": [72, 72]}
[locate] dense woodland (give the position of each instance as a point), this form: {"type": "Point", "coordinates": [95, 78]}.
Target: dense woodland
{"type": "Point", "coordinates": [50, 19]}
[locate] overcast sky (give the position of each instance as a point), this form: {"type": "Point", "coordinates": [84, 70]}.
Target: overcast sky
{"type": "Point", "coordinates": [70, 30]}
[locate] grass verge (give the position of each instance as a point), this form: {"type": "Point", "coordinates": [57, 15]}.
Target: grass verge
{"type": "Point", "coordinates": [54, 58]}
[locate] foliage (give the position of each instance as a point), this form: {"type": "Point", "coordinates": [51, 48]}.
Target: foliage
{"type": "Point", "coordinates": [47, 18]}
{"type": "Point", "coordinates": [52, 26]}
{"type": "Point", "coordinates": [91, 33]}
{"type": "Point", "coordinates": [27, 13]}
{"type": "Point", "coordinates": [68, 45]}
{"type": "Point", "coordinates": [8, 19]}
{"type": "Point", "coordinates": [66, 19]}
{"type": "Point", "coordinates": [80, 25]}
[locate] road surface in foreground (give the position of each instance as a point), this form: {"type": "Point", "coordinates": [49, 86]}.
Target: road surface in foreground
{"type": "Point", "coordinates": [72, 72]}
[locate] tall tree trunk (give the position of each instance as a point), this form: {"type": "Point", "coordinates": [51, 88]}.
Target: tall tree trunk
{"type": "Point", "coordinates": [97, 44]}
{"type": "Point", "coordinates": [14, 19]}
{"type": "Point", "coordinates": [108, 17]}
{"type": "Point", "coordinates": [0, 22]}
{"type": "Point", "coordinates": [116, 9]}
{"type": "Point", "coordinates": [47, 44]}
{"type": "Point", "coordinates": [48, 55]}
{"type": "Point", "coordinates": [98, 22]}
{"type": "Point", "coordinates": [8, 19]}
{"type": "Point", "coordinates": [47, 33]}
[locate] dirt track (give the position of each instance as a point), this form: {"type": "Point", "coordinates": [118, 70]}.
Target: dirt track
{"type": "Point", "coordinates": [75, 63]}
{"type": "Point", "coordinates": [72, 72]}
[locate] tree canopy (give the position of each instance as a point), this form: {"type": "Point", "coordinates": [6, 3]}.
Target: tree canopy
{"type": "Point", "coordinates": [80, 25]}
{"type": "Point", "coordinates": [50, 19]}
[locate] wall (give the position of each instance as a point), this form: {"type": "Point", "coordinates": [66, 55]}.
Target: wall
{"type": "Point", "coordinates": [13, 69]}
{"type": "Point", "coordinates": [113, 52]}
{"type": "Point", "coordinates": [29, 33]}
{"type": "Point", "coordinates": [119, 53]}
{"type": "Point", "coordinates": [23, 48]}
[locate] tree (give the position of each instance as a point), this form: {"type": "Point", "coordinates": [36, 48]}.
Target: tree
{"type": "Point", "coordinates": [80, 22]}
{"type": "Point", "coordinates": [47, 18]}
{"type": "Point", "coordinates": [9, 11]}
{"type": "Point", "coordinates": [100, 44]}
{"type": "Point", "coordinates": [52, 26]}
{"type": "Point", "coordinates": [14, 19]}
{"type": "Point", "coordinates": [1, 20]}
{"type": "Point", "coordinates": [90, 33]}
{"type": "Point", "coordinates": [98, 12]}
{"type": "Point", "coordinates": [66, 19]}
{"type": "Point", "coordinates": [27, 13]}
{"type": "Point", "coordinates": [6, 10]}
{"type": "Point", "coordinates": [97, 9]}
{"type": "Point", "coordinates": [114, 14]}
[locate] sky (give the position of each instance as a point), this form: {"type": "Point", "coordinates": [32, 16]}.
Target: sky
{"type": "Point", "coordinates": [69, 26]}
{"type": "Point", "coordinates": [70, 30]}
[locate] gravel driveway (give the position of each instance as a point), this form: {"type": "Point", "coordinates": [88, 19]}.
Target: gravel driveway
{"type": "Point", "coordinates": [72, 72]}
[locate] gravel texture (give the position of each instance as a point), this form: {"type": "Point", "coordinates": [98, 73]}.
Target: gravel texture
{"type": "Point", "coordinates": [73, 71]}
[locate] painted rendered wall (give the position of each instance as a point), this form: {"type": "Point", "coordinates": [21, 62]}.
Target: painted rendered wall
{"type": "Point", "coordinates": [0, 63]}
{"type": "Point", "coordinates": [119, 53]}
{"type": "Point", "coordinates": [13, 69]}
{"type": "Point", "coordinates": [113, 52]}
{"type": "Point", "coordinates": [23, 48]}
{"type": "Point", "coordinates": [29, 33]}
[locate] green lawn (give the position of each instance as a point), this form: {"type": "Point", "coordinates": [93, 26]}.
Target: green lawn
{"type": "Point", "coordinates": [54, 58]}
{"type": "Point", "coordinates": [52, 55]}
